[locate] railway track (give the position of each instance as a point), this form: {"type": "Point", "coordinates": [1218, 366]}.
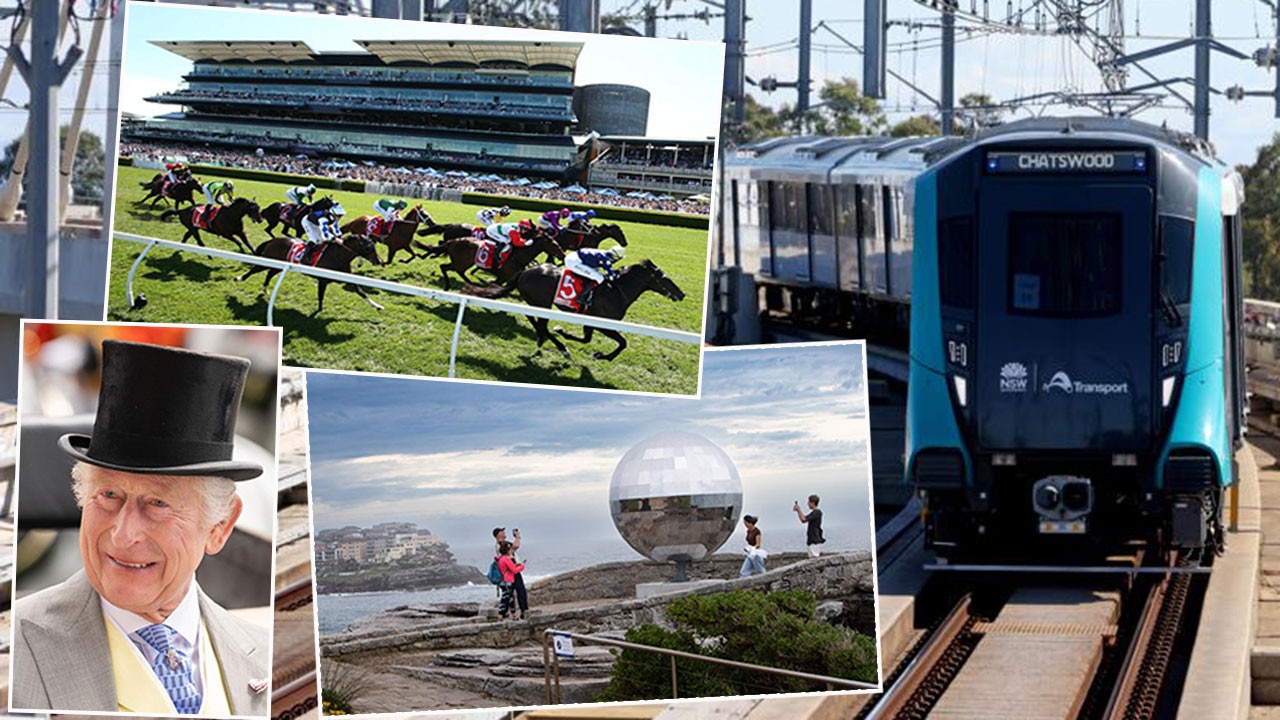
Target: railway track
{"type": "Point", "coordinates": [1117, 659]}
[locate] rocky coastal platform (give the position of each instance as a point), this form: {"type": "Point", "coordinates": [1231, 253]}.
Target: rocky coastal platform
{"type": "Point", "coordinates": [460, 655]}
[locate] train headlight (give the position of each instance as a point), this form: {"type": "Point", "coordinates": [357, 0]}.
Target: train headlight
{"type": "Point", "coordinates": [1047, 498]}
{"type": "Point", "coordinates": [961, 386]}
{"type": "Point", "coordinates": [1166, 390]}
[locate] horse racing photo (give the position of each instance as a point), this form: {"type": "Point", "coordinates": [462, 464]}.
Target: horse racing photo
{"type": "Point", "coordinates": [423, 199]}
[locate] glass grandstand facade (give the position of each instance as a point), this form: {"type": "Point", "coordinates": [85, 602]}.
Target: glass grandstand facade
{"type": "Point", "coordinates": [496, 106]}
{"type": "Point", "coordinates": [674, 167]}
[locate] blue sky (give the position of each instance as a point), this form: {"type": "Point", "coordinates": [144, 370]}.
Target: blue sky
{"type": "Point", "coordinates": [459, 458]}
{"type": "Point", "coordinates": [689, 108]}
{"type": "Point", "coordinates": [1003, 66]}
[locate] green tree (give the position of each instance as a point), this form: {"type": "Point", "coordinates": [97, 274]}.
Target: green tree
{"type": "Point", "coordinates": [771, 629]}
{"type": "Point", "coordinates": [760, 122]}
{"type": "Point", "coordinates": [89, 172]}
{"type": "Point", "coordinates": [916, 126]}
{"type": "Point", "coordinates": [1261, 216]}
{"type": "Point", "coordinates": [844, 110]}
{"type": "Point", "coordinates": [979, 110]}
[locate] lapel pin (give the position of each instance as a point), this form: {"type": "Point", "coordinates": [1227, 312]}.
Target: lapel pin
{"type": "Point", "coordinates": [258, 685]}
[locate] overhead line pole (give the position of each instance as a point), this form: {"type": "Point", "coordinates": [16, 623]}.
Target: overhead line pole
{"type": "Point", "coordinates": [1204, 34]}
{"type": "Point", "coordinates": [806, 30]}
{"type": "Point", "coordinates": [948, 66]}
{"type": "Point", "coordinates": [44, 75]}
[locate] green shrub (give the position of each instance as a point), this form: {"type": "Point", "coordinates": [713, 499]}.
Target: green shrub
{"type": "Point", "coordinates": [770, 629]}
{"type": "Point", "coordinates": [342, 686]}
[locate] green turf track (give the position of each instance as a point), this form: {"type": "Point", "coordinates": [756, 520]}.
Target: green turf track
{"type": "Point", "coordinates": [412, 335]}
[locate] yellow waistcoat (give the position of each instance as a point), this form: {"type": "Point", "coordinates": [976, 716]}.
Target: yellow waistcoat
{"type": "Point", "coordinates": [138, 690]}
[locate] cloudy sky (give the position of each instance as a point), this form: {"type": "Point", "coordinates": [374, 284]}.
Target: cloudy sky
{"type": "Point", "coordinates": [1003, 65]}
{"type": "Point", "coordinates": [461, 458]}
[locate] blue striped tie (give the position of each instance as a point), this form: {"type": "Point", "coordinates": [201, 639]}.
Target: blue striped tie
{"type": "Point", "coordinates": [173, 668]}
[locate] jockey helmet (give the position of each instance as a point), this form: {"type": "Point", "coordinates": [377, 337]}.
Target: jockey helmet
{"type": "Point", "coordinates": [400, 204]}
{"type": "Point", "coordinates": [591, 213]}
{"type": "Point", "coordinates": [229, 185]}
{"type": "Point", "coordinates": [311, 188]}
{"type": "Point", "coordinates": [504, 210]}
{"type": "Point", "coordinates": [565, 212]}
{"type": "Point", "coordinates": [337, 210]}
{"type": "Point", "coordinates": [618, 252]}
{"type": "Point", "coordinates": [526, 225]}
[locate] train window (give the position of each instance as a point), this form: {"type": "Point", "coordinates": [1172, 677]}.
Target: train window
{"type": "Point", "coordinates": [820, 209]}
{"type": "Point", "coordinates": [869, 215]}
{"type": "Point", "coordinates": [955, 262]}
{"type": "Point", "coordinates": [1064, 265]}
{"type": "Point", "coordinates": [1177, 237]}
{"type": "Point", "coordinates": [847, 211]}
{"type": "Point", "coordinates": [778, 206]}
{"type": "Point", "coordinates": [795, 207]}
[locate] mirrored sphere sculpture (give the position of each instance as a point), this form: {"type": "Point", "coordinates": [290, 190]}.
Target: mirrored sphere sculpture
{"type": "Point", "coordinates": [675, 496]}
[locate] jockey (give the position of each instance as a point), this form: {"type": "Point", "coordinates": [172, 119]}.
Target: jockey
{"type": "Point", "coordinates": [390, 209]}
{"type": "Point", "coordinates": [594, 264]}
{"type": "Point", "coordinates": [581, 220]}
{"type": "Point", "coordinates": [321, 226]}
{"type": "Point", "coordinates": [218, 189]}
{"type": "Point", "coordinates": [489, 216]}
{"type": "Point", "coordinates": [507, 234]}
{"type": "Point", "coordinates": [550, 221]}
{"type": "Point", "coordinates": [300, 195]}
{"type": "Point", "coordinates": [173, 170]}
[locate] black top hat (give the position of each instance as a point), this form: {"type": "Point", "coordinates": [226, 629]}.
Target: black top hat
{"type": "Point", "coordinates": [164, 411]}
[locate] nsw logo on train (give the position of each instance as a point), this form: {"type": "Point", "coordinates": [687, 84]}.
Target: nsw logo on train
{"type": "Point", "coordinates": [1015, 379]}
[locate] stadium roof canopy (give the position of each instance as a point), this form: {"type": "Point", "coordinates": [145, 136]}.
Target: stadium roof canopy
{"type": "Point", "coordinates": [475, 53]}
{"type": "Point", "coordinates": [251, 51]}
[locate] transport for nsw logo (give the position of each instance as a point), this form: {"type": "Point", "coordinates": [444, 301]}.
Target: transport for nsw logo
{"type": "Point", "coordinates": [1013, 378]}
{"type": "Point", "coordinates": [1060, 380]}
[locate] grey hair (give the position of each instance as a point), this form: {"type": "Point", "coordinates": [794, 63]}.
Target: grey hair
{"type": "Point", "coordinates": [215, 493]}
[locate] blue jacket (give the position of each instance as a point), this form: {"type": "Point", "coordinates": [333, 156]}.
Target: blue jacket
{"type": "Point", "coordinates": [601, 260]}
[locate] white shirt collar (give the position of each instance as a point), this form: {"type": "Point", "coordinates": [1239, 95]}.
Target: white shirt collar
{"type": "Point", "coordinates": [185, 618]}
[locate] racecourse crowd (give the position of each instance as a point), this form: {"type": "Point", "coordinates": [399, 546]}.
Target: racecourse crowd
{"type": "Point", "coordinates": [399, 103]}
{"type": "Point", "coordinates": [283, 163]}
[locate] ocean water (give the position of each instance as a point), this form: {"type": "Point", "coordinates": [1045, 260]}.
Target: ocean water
{"type": "Point", "coordinates": [337, 612]}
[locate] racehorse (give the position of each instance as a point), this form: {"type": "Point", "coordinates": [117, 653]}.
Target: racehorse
{"type": "Point", "coordinates": [570, 239]}
{"type": "Point", "coordinates": [537, 287]}
{"type": "Point", "coordinates": [157, 181]}
{"type": "Point", "coordinates": [449, 231]}
{"type": "Point", "coordinates": [401, 235]}
{"type": "Point", "coordinates": [271, 214]}
{"type": "Point", "coordinates": [227, 223]}
{"type": "Point", "coordinates": [462, 256]}
{"type": "Point", "coordinates": [178, 192]}
{"type": "Point", "coordinates": [332, 256]}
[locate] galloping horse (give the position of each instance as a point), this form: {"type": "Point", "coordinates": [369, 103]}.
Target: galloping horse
{"type": "Point", "coordinates": [271, 214]}
{"type": "Point", "coordinates": [449, 231]}
{"type": "Point", "coordinates": [570, 239]}
{"type": "Point", "coordinates": [401, 235]}
{"type": "Point", "coordinates": [462, 256]}
{"type": "Point", "coordinates": [332, 256]}
{"type": "Point", "coordinates": [227, 223]}
{"type": "Point", "coordinates": [537, 287]}
{"type": "Point", "coordinates": [178, 192]}
{"type": "Point", "coordinates": [157, 180]}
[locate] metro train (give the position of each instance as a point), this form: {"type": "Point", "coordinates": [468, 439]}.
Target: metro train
{"type": "Point", "coordinates": [1075, 314]}
{"type": "Point", "coordinates": [1077, 361]}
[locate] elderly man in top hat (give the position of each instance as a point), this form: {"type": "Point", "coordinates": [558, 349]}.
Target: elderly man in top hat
{"type": "Point", "coordinates": [133, 631]}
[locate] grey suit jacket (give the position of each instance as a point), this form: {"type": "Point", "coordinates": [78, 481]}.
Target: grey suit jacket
{"type": "Point", "coordinates": [61, 660]}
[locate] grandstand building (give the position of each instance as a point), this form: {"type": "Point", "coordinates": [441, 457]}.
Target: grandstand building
{"type": "Point", "coordinates": [679, 168]}
{"type": "Point", "coordinates": [491, 106]}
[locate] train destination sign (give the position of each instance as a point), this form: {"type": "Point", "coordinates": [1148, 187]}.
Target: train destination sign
{"type": "Point", "coordinates": [1071, 161]}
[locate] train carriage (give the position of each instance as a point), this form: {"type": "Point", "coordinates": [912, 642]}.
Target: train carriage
{"type": "Point", "coordinates": [1076, 363]}
{"type": "Point", "coordinates": [1075, 313]}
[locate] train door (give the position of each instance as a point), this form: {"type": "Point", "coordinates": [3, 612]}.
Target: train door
{"type": "Point", "coordinates": [1064, 320]}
